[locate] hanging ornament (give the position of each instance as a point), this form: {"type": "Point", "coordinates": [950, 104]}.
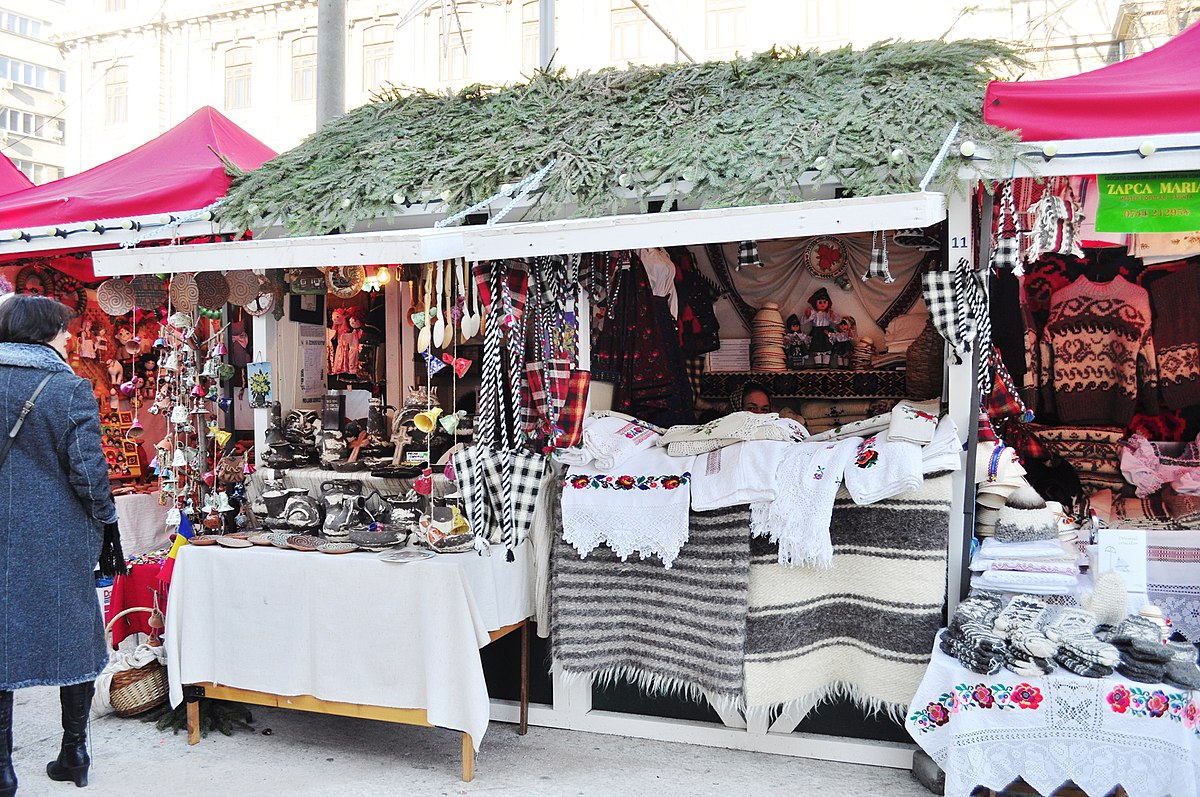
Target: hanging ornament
{"type": "Point", "coordinates": [223, 437]}
{"type": "Point", "coordinates": [748, 255]}
{"type": "Point", "coordinates": [432, 363]}
{"type": "Point", "coordinates": [460, 364]}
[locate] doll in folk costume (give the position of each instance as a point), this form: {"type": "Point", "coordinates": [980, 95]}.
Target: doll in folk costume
{"type": "Point", "coordinates": [823, 320]}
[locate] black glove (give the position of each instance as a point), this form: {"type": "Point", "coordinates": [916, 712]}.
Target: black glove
{"type": "Point", "coordinates": [112, 558]}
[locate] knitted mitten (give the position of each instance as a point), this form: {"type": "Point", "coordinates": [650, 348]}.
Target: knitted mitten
{"type": "Point", "coordinates": [1080, 667]}
{"type": "Point", "coordinates": [1020, 621]}
{"type": "Point", "coordinates": [1028, 666]}
{"type": "Point", "coordinates": [1182, 670]}
{"type": "Point", "coordinates": [970, 657]}
{"type": "Point", "coordinates": [1072, 630]}
{"type": "Point", "coordinates": [1142, 673]}
{"type": "Point", "coordinates": [1142, 638]}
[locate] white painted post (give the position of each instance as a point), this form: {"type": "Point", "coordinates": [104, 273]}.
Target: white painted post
{"type": "Point", "coordinates": [960, 388]}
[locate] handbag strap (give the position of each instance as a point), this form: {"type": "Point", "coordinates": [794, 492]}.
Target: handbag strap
{"type": "Point", "coordinates": [25, 410]}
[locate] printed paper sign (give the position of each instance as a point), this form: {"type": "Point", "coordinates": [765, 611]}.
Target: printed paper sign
{"type": "Point", "coordinates": [1124, 551]}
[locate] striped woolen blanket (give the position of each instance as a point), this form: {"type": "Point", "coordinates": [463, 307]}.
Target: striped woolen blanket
{"type": "Point", "coordinates": [677, 631]}
{"type": "Point", "coordinates": [863, 628]}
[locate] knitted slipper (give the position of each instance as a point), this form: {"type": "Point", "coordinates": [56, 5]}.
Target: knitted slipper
{"type": "Point", "coordinates": [1066, 622]}
{"type": "Point", "coordinates": [967, 657]}
{"type": "Point", "coordinates": [981, 637]}
{"type": "Point", "coordinates": [1148, 657]}
{"type": "Point", "coordinates": [1028, 666]}
{"type": "Point", "coordinates": [978, 607]}
{"type": "Point", "coordinates": [1182, 670]}
{"type": "Point", "coordinates": [1030, 641]}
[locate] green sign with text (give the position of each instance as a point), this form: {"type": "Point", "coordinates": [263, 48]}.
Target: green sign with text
{"type": "Point", "coordinates": [1162, 202]}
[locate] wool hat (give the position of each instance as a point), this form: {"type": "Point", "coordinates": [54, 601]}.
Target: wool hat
{"type": "Point", "coordinates": [997, 474]}
{"type": "Point", "coordinates": [819, 294]}
{"type": "Point", "coordinates": [1025, 518]}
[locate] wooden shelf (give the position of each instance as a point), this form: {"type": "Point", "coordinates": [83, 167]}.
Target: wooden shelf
{"type": "Point", "coordinates": [830, 383]}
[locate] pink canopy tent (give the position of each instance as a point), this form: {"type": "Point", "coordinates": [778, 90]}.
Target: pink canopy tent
{"type": "Point", "coordinates": [180, 170]}
{"type": "Point", "coordinates": [11, 178]}
{"type": "Point", "coordinates": [1157, 92]}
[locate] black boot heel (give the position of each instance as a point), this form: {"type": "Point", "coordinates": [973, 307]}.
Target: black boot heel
{"type": "Point", "coordinates": [8, 776]}
{"type": "Point", "coordinates": [77, 774]}
{"type": "Point", "coordinates": [73, 761]}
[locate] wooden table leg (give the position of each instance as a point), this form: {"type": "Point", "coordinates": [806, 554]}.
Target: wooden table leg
{"type": "Point", "coordinates": [193, 722]}
{"type": "Point", "coordinates": [523, 727]}
{"type": "Point", "coordinates": [468, 758]}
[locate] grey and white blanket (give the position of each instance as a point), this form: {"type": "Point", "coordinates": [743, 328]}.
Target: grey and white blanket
{"type": "Point", "coordinates": [863, 628]}
{"type": "Point", "coordinates": [677, 631]}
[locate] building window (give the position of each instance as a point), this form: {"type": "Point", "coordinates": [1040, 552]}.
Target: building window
{"type": "Point", "coordinates": [32, 75]}
{"type": "Point", "coordinates": [237, 78]}
{"type": "Point", "coordinates": [377, 56]}
{"type": "Point", "coordinates": [39, 173]}
{"type": "Point", "coordinates": [530, 37]}
{"type": "Point", "coordinates": [20, 25]}
{"type": "Point", "coordinates": [114, 5]}
{"type": "Point", "coordinates": [724, 24]}
{"type": "Point", "coordinates": [304, 69]}
{"type": "Point", "coordinates": [116, 96]}
{"type": "Point", "coordinates": [630, 31]}
{"type": "Point", "coordinates": [455, 43]}
{"type": "Point", "coordinates": [31, 125]}
{"type": "Point", "coordinates": [826, 19]}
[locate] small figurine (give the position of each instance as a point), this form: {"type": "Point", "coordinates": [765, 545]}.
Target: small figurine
{"type": "Point", "coordinates": [843, 340]}
{"type": "Point", "coordinates": [820, 314]}
{"type": "Point", "coordinates": [795, 343]}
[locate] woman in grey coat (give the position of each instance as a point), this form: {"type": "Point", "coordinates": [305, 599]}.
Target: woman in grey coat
{"type": "Point", "coordinates": [55, 501]}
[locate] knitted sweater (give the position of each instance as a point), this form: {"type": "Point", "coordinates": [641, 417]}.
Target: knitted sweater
{"type": "Point", "coordinates": [1097, 350]}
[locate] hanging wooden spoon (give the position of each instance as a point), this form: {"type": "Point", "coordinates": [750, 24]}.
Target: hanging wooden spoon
{"type": "Point", "coordinates": [439, 326]}
{"type": "Point", "coordinates": [426, 334]}
{"type": "Point", "coordinates": [471, 314]}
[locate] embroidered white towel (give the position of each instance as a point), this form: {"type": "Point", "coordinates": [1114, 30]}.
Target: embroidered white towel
{"type": "Point", "coordinates": [1039, 550]}
{"type": "Point", "coordinates": [914, 421]}
{"type": "Point", "coordinates": [863, 428]}
{"type": "Point", "coordinates": [798, 519]}
{"type": "Point", "coordinates": [742, 473]}
{"type": "Point", "coordinates": [1033, 583]}
{"type": "Point", "coordinates": [881, 469]}
{"type": "Point", "coordinates": [942, 453]}
{"type": "Point", "coordinates": [611, 440]}
{"type": "Point", "coordinates": [640, 507]}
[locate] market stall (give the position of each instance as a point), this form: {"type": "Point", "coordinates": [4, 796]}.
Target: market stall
{"type": "Point", "coordinates": [1082, 615]}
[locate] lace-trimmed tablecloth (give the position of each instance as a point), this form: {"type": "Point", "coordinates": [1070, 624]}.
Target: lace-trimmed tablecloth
{"type": "Point", "coordinates": [1173, 577]}
{"type": "Point", "coordinates": [989, 730]}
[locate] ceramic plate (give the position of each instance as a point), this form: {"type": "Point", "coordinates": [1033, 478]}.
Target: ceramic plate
{"type": "Point", "coordinates": [233, 542]}
{"type": "Point", "coordinates": [280, 539]}
{"type": "Point", "coordinates": [406, 555]}
{"type": "Point", "coordinates": [337, 547]}
{"type": "Point", "coordinates": [303, 542]}
{"type": "Point", "coordinates": [204, 539]}
{"type": "Point", "coordinates": [261, 539]}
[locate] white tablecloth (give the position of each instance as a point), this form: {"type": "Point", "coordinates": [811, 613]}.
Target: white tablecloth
{"type": "Point", "coordinates": [143, 523]}
{"type": "Point", "coordinates": [346, 628]}
{"type": "Point", "coordinates": [989, 730]}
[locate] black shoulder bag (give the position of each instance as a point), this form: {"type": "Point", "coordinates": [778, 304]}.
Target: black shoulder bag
{"type": "Point", "coordinates": [28, 408]}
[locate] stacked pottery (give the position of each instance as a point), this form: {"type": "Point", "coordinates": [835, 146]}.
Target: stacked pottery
{"type": "Point", "coordinates": [766, 340]}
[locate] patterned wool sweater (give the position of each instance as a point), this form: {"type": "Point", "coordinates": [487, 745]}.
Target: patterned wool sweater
{"type": "Point", "coordinates": [1097, 350]}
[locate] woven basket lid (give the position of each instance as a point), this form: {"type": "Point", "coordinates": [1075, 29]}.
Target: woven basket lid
{"type": "Point", "coordinates": [214, 289]}
{"type": "Point", "coordinates": [184, 293]}
{"type": "Point", "coordinates": [243, 287]}
{"type": "Point", "coordinates": [149, 291]}
{"type": "Point", "coordinates": [115, 296]}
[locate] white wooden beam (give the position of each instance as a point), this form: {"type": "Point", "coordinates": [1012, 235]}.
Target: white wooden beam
{"type": "Point", "coordinates": [1172, 153]}
{"type": "Point", "coordinates": [354, 249]}
{"type": "Point", "coordinates": [716, 225]}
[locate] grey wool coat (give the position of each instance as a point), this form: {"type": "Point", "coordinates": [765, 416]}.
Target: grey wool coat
{"type": "Point", "coordinates": [54, 501]}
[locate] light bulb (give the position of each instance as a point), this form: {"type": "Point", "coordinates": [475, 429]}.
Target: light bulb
{"type": "Point", "coordinates": [399, 198]}
{"type": "Point", "coordinates": [164, 218]}
{"type": "Point", "coordinates": [1147, 149]}
{"type": "Point", "coordinates": [346, 202]}
{"type": "Point", "coordinates": [205, 215]}
{"type": "Point", "coordinates": [383, 276]}
{"type": "Point", "coordinates": [16, 235]}
{"type": "Point", "coordinates": [820, 163]}
{"type": "Point", "coordinates": [251, 210]}
{"type": "Point", "coordinates": [897, 155]}
{"type": "Point", "coordinates": [91, 226]}
{"type": "Point", "coordinates": [966, 149]}
{"type": "Point", "coordinates": [1049, 149]}
{"type": "Point", "coordinates": [127, 224]}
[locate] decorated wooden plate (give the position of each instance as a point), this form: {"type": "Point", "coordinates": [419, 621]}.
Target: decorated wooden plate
{"type": "Point", "coordinates": [233, 542]}
{"type": "Point", "coordinates": [303, 542]}
{"type": "Point", "coordinates": [825, 257]}
{"type": "Point", "coordinates": [264, 538]}
{"type": "Point", "coordinates": [405, 555]}
{"type": "Point", "coordinates": [337, 547]}
{"type": "Point", "coordinates": [204, 539]}
{"type": "Point", "coordinates": [280, 539]}
{"type": "Point", "coordinates": [115, 297]}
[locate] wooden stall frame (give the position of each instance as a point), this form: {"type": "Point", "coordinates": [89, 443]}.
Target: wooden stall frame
{"type": "Point", "coordinates": [400, 716]}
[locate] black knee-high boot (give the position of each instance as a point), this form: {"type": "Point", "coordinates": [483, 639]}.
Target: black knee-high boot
{"type": "Point", "coordinates": [72, 762]}
{"type": "Point", "coordinates": [8, 776]}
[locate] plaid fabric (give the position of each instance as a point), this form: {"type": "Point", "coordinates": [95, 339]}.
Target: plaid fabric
{"type": "Point", "coordinates": [486, 477]}
{"type": "Point", "coordinates": [570, 420]}
{"type": "Point", "coordinates": [534, 405]}
{"type": "Point", "coordinates": [947, 310]}
{"type": "Point", "coordinates": [1006, 253]}
{"type": "Point", "coordinates": [1004, 402]}
{"type": "Point", "coordinates": [878, 266]}
{"type": "Point", "coordinates": [695, 372]}
{"type": "Point", "coordinates": [748, 255]}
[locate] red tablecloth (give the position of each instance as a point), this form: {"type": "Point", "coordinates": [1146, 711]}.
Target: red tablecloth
{"type": "Point", "coordinates": [136, 589]}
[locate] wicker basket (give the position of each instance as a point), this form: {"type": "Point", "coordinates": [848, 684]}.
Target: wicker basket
{"type": "Point", "coordinates": [925, 364]}
{"type": "Point", "coordinates": [138, 690]}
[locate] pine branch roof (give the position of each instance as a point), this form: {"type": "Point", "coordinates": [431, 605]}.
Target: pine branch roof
{"type": "Point", "coordinates": [740, 132]}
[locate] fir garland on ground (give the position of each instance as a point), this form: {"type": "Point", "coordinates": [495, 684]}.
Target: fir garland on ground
{"type": "Point", "coordinates": [739, 132]}
{"type": "Point", "coordinates": [218, 715]}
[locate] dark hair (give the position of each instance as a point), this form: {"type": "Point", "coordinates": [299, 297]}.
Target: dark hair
{"type": "Point", "coordinates": [32, 319]}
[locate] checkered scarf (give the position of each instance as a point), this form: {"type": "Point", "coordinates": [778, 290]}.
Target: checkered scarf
{"type": "Point", "coordinates": [958, 308]}
{"type": "Point", "coordinates": [878, 266]}
{"type": "Point", "coordinates": [748, 255]}
{"type": "Point", "coordinates": [1006, 253]}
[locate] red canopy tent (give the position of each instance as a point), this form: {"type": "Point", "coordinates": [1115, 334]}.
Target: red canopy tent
{"type": "Point", "coordinates": [180, 170]}
{"type": "Point", "coordinates": [1157, 92]}
{"type": "Point", "coordinates": [11, 178]}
